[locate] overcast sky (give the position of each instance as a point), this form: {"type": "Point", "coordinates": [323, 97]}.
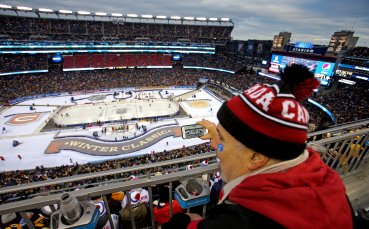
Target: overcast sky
{"type": "Point", "coordinates": [308, 20]}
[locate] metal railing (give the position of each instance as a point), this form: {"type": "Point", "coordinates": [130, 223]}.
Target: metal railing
{"type": "Point", "coordinates": [347, 153]}
{"type": "Point", "coordinates": [103, 190]}
{"type": "Point", "coordinates": [341, 129]}
{"type": "Point", "coordinates": [112, 172]}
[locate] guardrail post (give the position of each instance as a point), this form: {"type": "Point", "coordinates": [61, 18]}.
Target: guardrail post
{"type": "Point", "coordinates": [52, 208]}
{"type": "Point", "coordinates": [108, 212]}
{"type": "Point", "coordinates": [28, 221]}
{"type": "Point", "coordinates": [170, 199]}
{"type": "Point", "coordinates": [151, 208]}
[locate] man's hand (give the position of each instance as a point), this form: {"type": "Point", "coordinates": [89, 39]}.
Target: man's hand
{"type": "Point", "coordinates": [212, 134]}
{"type": "Point", "coordinates": [194, 216]}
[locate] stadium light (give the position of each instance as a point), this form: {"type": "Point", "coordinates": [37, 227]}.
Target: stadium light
{"type": "Point", "coordinates": [213, 19]}
{"type": "Point", "coordinates": [161, 17]}
{"type": "Point", "coordinates": [175, 17]}
{"type": "Point", "coordinates": [116, 15]}
{"type": "Point", "coordinates": [147, 16]}
{"type": "Point", "coordinates": [224, 19]}
{"type": "Point", "coordinates": [132, 15]}
{"type": "Point", "coordinates": [100, 14]}
{"type": "Point", "coordinates": [2, 6]}
{"type": "Point", "coordinates": [189, 18]}
{"type": "Point", "coordinates": [25, 8]}
{"type": "Point", "coordinates": [65, 11]}
{"type": "Point", "coordinates": [45, 10]}
{"type": "Point", "coordinates": [83, 12]}
{"type": "Point", "coordinates": [201, 18]}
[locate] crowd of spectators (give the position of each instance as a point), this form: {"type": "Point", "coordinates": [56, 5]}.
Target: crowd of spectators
{"type": "Point", "coordinates": [25, 62]}
{"type": "Point", "coordinates": [341, 101]}
{"type": "Point", "coordinates": [348, 103]}
{"type": "Point", "coordinates": [21, 28]}
{"type": "Point", "coordinates": [359, 52]}
{"type": "Point", "coordinates": [118, 203]}
{"type": "Point", "coordinates": [231, 63]}
{"type": "Point", "coordinates": [41, 173]}
{"type": "Point", "coordinates": [32, 84]}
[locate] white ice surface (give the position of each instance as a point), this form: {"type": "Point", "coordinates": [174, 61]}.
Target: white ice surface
{"type": "Point", "coordinates": [34, 143]}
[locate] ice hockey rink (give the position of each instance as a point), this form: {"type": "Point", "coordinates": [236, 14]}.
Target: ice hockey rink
{"type": "Point", "coordinates": [24, 125]}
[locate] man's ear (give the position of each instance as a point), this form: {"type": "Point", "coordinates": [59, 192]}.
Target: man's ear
{"type": "Point", "coordinates": [257, 161]}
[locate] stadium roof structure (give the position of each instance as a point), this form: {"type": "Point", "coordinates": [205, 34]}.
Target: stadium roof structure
{"type": "Point", "coordinates": [40, 12]}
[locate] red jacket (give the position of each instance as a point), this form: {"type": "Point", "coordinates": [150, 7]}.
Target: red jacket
{"type": "Point", "coordinates": [310, 195]}
{"type": "Point", "coordinates": [162, 214]}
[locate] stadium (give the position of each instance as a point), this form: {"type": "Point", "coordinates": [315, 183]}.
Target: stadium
{"type": "Point", "coordinates": [92, 108]}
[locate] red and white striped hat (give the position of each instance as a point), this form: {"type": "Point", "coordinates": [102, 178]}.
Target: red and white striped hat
{"type": "Point", "coordinates": [204, 163]}
{"type": "Point", "coordinates": [269, 118]}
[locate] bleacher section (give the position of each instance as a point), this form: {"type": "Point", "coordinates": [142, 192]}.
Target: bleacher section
{"type": "Point", "coordinates": [25, 62]}
{"type": "Point", "coordinates": [20, 28]}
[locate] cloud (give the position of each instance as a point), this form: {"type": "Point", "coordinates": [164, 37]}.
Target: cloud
{"type": "Point", "coordinates": [309, 20]}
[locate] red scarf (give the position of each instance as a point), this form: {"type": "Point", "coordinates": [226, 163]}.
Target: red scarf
{"type": "Point", "coordinates": [310, 195]}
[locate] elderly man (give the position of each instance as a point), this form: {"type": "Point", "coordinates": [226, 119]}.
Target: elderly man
{"type": "Point", "coordinates": [272, 179]}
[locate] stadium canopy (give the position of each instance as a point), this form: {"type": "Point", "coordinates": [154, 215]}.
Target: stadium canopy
{"type": "Point", "coordinates": [80, 13]}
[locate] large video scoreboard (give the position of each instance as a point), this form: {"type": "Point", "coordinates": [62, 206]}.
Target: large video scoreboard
{"type": "Point", "coordinates": [353, 71]}
{"type": "Point", "coordinates": [322, 70]}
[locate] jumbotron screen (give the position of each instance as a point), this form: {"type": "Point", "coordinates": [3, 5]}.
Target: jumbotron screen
{"type": "Point", "coordinates": [322, 70]}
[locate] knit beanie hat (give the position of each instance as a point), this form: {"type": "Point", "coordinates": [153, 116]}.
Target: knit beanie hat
{"type": "Point", "coordinates": [269, 118]}
{"type": "Point", "coordinates": [117, 196]}
{"type": "Point", "coordinates": [134, 197]}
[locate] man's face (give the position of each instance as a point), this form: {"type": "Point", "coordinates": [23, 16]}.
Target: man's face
{"type": "Point", "coordinates": [234, 157]}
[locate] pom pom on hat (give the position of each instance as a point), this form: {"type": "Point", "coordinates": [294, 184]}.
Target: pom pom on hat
{"type": "Point", "coordinates": [300, 80]}
{"type": "Point", "coordinates": [269, 118]}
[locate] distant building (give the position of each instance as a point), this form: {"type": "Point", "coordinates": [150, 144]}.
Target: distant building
{"type": "Point", "coordinates": [340, 41]}
{"type": "Point", "coordinates": [281, 40]}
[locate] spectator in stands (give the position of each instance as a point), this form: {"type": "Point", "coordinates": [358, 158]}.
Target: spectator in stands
{"type": "Point", "coordinates": [114, 200]}
{"type": "Point", "coordinates": [139, 211]}
{"type": "Point", "coordinates": [162, 206]}
{"type": "Point", "coordinates": [340, 101]}
{"type": "Point", "coordinates": [272, 179]}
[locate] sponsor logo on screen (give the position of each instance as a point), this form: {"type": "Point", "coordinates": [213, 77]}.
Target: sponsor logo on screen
{"type": "Point", "coordinates": [326, 66]}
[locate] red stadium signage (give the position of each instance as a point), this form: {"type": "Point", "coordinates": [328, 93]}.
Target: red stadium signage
{"type": "Point", "coordinates": [274, 68]}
